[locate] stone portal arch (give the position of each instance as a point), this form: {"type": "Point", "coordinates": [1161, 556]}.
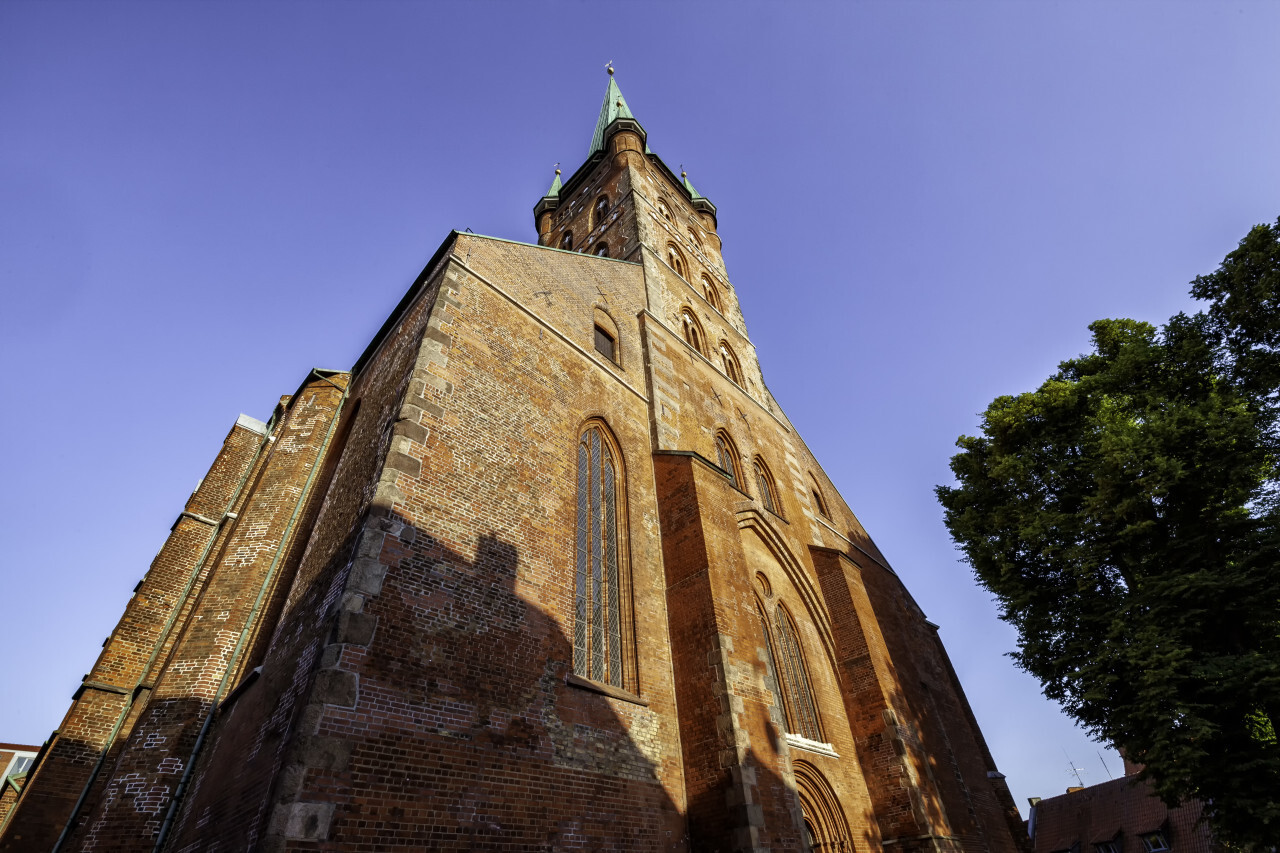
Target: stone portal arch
{"type": "Point", "coordinates": [824, 821]}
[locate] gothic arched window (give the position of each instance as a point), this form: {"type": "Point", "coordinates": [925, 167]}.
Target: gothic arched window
{"type": "Point", "coordinates": [727, 458]}
{"type": "Point", "coordinates": [819, 504]}
{"type": "Point", "coordinates": [730, 361]}
{"type": "Point", "coordinates": [789, 669]}
{"type": "Point", "coordinates": [665, 211]}
{"type": "Point", "coordinates": [675, 260]}
{"type": "Point", "coordinates": [693, 235]}
{"type": "Point", "coordinates": [710, 292]}
{"type": "Point", "coordinates": [764, 483]}
{"type": "Point", "coordinates": [692, 331]}
{"type": "Point", "coordinates": [597, 631]}
{"type": "Point", "coordinates": [602, 250]}
{"type": "Point", "coordinates": [566, 242]}
{"type": "Point", "coordinates": [602, 207]}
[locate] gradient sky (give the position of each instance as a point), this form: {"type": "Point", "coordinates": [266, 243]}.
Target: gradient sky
{"type": "Point", "coordinates": [923, 205]}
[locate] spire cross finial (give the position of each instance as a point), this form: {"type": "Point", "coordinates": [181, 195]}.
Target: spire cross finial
{"type": "Point", "coordinates": [609, 67]}
{"type": "Point", "coordinates": [557, 167]}
{"type": "Point", "coordinates": [683, 173]}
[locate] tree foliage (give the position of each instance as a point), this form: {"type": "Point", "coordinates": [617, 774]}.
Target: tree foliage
{"type": "Point", "coordinates": [1125, 516]}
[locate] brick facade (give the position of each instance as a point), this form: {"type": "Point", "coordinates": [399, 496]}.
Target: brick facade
{"type": "Point", "coordinates": [361, 633]}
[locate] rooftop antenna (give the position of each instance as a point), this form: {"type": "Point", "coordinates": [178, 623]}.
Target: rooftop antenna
{"type": "Point", "coordinates": [1104, 765]}
{"type": "Point", "coordinates": [1075, 771]}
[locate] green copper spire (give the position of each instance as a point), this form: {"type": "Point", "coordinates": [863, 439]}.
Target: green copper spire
{"type": "Point", "coordinates": [614, 107]}
{"type": "Point", "coordinates": [684, 177]}
{"type": "Point", "coordinates": [554, 192]}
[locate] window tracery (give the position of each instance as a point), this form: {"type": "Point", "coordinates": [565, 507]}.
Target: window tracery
{"type": "Point", "coordinates": [727, 458]}
{"type": "Point", "coordinates": [730, 362]}
{"type": "Point", "coordinates": [712, 295]}
{"type": "Point", "coordinates": [566, 242]}
{"type": "Point", "coordinates": [675, 260]}
{"type": "Point", "coordinates": [764, 483]}
{"type": "Point", "coordinates": [692, 330]}
{"type": "Point", "coordinates": [597, 629]}
{"type": "Point", "coordinates": [791, 676]}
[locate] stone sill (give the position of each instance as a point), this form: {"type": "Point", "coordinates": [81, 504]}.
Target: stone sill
{"type": "Point", "coordinates": [575, 680]}
{"type": "Point", "coordinates": [798, 742]}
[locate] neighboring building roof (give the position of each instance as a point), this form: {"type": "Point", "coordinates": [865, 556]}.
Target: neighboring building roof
{"type": "Point", "coordinates": [1122, 809]}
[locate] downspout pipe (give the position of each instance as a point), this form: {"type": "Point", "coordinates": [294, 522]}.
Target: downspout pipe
{"type": "Point", "coordinates": [244, 633]}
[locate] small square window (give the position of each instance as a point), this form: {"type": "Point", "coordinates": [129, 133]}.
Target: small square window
{"type": "Point", "coordinates": [605, 345]}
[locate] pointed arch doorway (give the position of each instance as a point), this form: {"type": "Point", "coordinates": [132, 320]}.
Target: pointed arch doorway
{"type": "Point", "coordinates": [825, 827]}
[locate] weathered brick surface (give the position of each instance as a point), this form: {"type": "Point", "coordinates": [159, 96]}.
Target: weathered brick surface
{"type": "Point", "coordinates": [115, 688]}
{"type": "Point", "coordinates": [265, 741]}
{"type": "Point", "coordinates": [147, 772]}
{"type": "Point", "coordinates": [463, 732]}
{"type": "Point", "coordinates": [947, 750]}
{"type": "Point", "coordinates": [387, 623]}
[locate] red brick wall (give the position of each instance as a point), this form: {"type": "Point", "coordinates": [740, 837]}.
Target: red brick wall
{"type": "Point", "coordinates": [146, 774]}
{"type": "Point", "coordinates": [411, 614]}
{"type": "Point", "coordinates": [949, 757]}
{"type": "Point", "coordinates": [459, 695]}
{"type": "Point", "coordinates": [266, 727]}
{"type": "Point", "coordinates": [151, 620]}
{"type": "Point", "coordinates": [8, 799]}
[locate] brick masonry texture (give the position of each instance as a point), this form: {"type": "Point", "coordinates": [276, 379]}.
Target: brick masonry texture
{"type": "Point", "coordinates": [1121, 811]}
{"type": "Point", "coordinates": [360, 634]}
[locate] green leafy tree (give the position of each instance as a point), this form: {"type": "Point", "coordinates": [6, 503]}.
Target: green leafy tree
{"type": "Point", "coordinates": [1125, 517]}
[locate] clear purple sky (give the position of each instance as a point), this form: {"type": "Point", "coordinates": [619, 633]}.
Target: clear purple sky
{"type": "Point", "coordinates": [923, 205]}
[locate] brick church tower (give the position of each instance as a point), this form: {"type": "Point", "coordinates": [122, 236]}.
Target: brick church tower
{"type": "Point", "coordinates": [547, 569]}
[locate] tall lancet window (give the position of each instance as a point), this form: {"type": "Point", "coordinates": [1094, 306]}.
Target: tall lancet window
{"type": "Point", "coordinates": [597, 632]}
{"type": "Point", "coordinates": [802, 717]}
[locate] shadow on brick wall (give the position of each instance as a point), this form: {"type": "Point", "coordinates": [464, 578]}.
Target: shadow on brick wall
{"type": "Point", "coordinates": [463, 733]}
